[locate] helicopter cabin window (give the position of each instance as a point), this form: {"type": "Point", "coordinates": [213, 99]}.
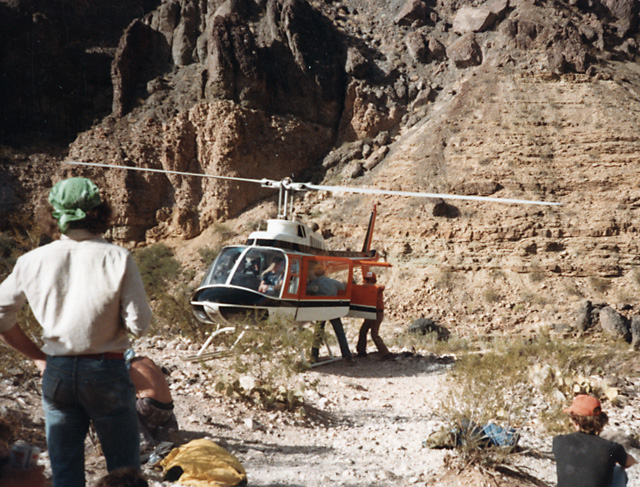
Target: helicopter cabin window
{"type": "Point", "coordinates": [326, 277]}
{"type": "Point", "coordinates": [222, 266]}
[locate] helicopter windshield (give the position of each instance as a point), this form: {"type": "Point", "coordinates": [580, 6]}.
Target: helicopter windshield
{"type": "Point", "coordinates": [221, 268]}
{"type": "Point", "coordinates": [261, 270]}
{"type": "Point", "coordinates": [252, 268]}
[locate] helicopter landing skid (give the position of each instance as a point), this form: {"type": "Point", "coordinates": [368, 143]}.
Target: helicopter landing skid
{"type": "Point", "coordinates": [326, 361]}
{"type": "Point", "coordinates": [201, 356]}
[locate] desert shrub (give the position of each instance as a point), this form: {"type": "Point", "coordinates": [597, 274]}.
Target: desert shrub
{"type": "Point", "coordinates": [573, 290]}
{"type": "Point", "coordinates": [599, 284]}
{"type": "Point", "coordinates": [491, 295]}
{"type": "Point", "coordinates": [7, 257]}
{"type": "Point", "coordinates": [265, 361]}
{"type": "Point", "coordinates": [625, 296]}
{"type": "Point", "coordinates": [532, 297]}
{"type": "Point", "coordinates": [446, 279]}
{"type": "Point", "coordinates": [165, 283]}
{"type": "Point", "coordinates": [503, 384]}
{"type": "Point", "coordinates": [223, 230]}
{"type": "Point", "coordinates": [158, 268]}
{"type": "Point", "coordinates": [430, 342]}
{"type": "Point", "coordinates": [536, 274]}
{"type": "Point", "coordinates": [13, 362]}
{"type": "Point", "coordinates": [636, 276]}
{"type": "Point", "coordinates": [209, 254]}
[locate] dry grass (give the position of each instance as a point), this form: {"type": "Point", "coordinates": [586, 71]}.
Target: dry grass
{"type": "Point", "coordinates": [504, 382]}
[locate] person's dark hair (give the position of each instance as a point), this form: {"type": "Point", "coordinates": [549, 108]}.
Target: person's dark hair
{"type": "Point", "coordinates": [46, 222]}
{"type": "Point", "coordinates": [98, 219]}
{"type": "Point", "coordinates": [591, 425]}
{"type": "Point", "coordinates": [124, 477]}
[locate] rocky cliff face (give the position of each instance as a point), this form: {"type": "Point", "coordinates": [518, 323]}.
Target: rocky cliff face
{"type": "Point", "coordinates": [508, 98]}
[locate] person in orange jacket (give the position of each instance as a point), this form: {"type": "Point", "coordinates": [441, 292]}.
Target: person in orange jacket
{"type": "Point", "coordinates": [373, 325]}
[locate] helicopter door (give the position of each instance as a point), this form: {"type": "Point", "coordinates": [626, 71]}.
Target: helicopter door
{"type": "Point", "coordinates": [326, 289]}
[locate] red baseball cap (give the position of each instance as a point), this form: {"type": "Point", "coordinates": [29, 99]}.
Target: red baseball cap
{"type": "Point", "coordinates": [584, 405]}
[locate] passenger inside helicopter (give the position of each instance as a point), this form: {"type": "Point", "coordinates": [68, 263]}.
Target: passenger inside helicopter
{"type": "Point", "coordinates": [319, 284]}
{"type": "Point", "coordinates": [272, 277]}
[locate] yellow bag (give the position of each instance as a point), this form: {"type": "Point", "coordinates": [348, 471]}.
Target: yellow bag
{"type": "Point", "coordinates": [202, 463]}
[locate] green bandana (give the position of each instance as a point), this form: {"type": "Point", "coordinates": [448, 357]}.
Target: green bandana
{"type": "Point", "coordinates": [71, 198]}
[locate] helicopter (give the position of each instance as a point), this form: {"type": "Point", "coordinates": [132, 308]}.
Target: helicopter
{"type": "Point", "coordinates": [276, 272]}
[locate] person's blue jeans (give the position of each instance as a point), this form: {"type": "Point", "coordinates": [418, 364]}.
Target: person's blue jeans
{"type": "Point", "coordinates": [77, 391]}
{"type": "Point", "coordinates": [342, 338]}
{"type": "Point", "coordinates": [340, 335]}
{"type": "Point", "coordinates": [619, 477]}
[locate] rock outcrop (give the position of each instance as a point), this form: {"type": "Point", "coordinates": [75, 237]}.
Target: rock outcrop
{"type": "Point", "coordinates": [517, 99]}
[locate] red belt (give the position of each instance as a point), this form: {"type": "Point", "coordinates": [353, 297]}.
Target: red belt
{"type": "Point", "coordinates": [103, 356]}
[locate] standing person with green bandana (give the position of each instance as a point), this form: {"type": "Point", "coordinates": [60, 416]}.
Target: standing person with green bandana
{"type": "Point", "coordinates": [87, 295]}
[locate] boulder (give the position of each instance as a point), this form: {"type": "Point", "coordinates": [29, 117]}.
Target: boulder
{"type": "Point", "coordinates": [343, 154]}
{"type": "Point", "coordinates": [626, 13]}
{"type": "Point", "coordinates": [635, 331]}
{"type": "Point", "coordinates": [437, 51]}
{"type": "Point", "coordinates": [417, 47]}
{"type": "Point", "coordinates": [413, 11]}
{"type": "Point", "coordinates": [473, 19]}
{"type": "Point", "coordinates": [424, 97]}
{"type": "Point", "coordinates": [422, 326]}
{"type": "Point", "coordinates": [368, 110]}
{"type": "Point", "coordinates": [356, 65]}
{"type": "Point", "coordinates": [583, 316]}
{"type": "Point", "coordinates": [376, 157]}
{"type": "Point", "coordinates": [614, 324]}
{"type": "Point", "coordinates": [465, 52]}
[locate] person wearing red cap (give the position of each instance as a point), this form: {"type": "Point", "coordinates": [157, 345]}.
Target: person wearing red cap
{"type": "Point", "coordinates": [373, 325]}
{"type": "Point", "coordinates": [583, 458]}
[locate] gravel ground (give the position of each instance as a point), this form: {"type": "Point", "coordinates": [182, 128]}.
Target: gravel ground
{"type": "Point", "coordinates": [368, 422]}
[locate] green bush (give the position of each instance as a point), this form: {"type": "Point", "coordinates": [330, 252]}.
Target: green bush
{"type": "Point", "coordinates": [208, 254]}
{"type": "Point", "coordinates": [165, 283]}
{"type": "Point", "coordinates": [158, 268]}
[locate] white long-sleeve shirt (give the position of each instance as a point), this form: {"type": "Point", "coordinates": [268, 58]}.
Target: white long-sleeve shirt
{"type": "Point", "coordinates": [85, 292]}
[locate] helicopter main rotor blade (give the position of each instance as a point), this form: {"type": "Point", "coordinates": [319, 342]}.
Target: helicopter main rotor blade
{"type": "Point", "coordinates": [293, 186]}
{"type": "Point", "coordinates": [263, 182]}
{"type": "Point", "coordinates": [345, 189]}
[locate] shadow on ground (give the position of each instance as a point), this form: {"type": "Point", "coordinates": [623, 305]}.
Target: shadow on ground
{"type": "Point", "coordinates": [402, 365]}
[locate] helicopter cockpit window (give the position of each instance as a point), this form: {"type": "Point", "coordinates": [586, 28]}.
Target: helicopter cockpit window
{"type": "Point", "coordinates": [261, 270]}
{"type": "Point", "coordinates": [222, 266]}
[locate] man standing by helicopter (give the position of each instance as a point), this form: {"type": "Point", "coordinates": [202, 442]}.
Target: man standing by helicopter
{"type": "Point", "coordinates": [370, 279]}
{"type": "Point", "coordinates": [321, 285]}
{"type": "Point", "coordinates": [87, 295]}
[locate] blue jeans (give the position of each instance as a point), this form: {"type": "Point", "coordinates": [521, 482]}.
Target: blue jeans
{"type": "Point", "coordinates": [77, 391]}
{"type": "Point", "coordinates": [318, 334]}
{"type": "Point", "coordinates": [619, 477]}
